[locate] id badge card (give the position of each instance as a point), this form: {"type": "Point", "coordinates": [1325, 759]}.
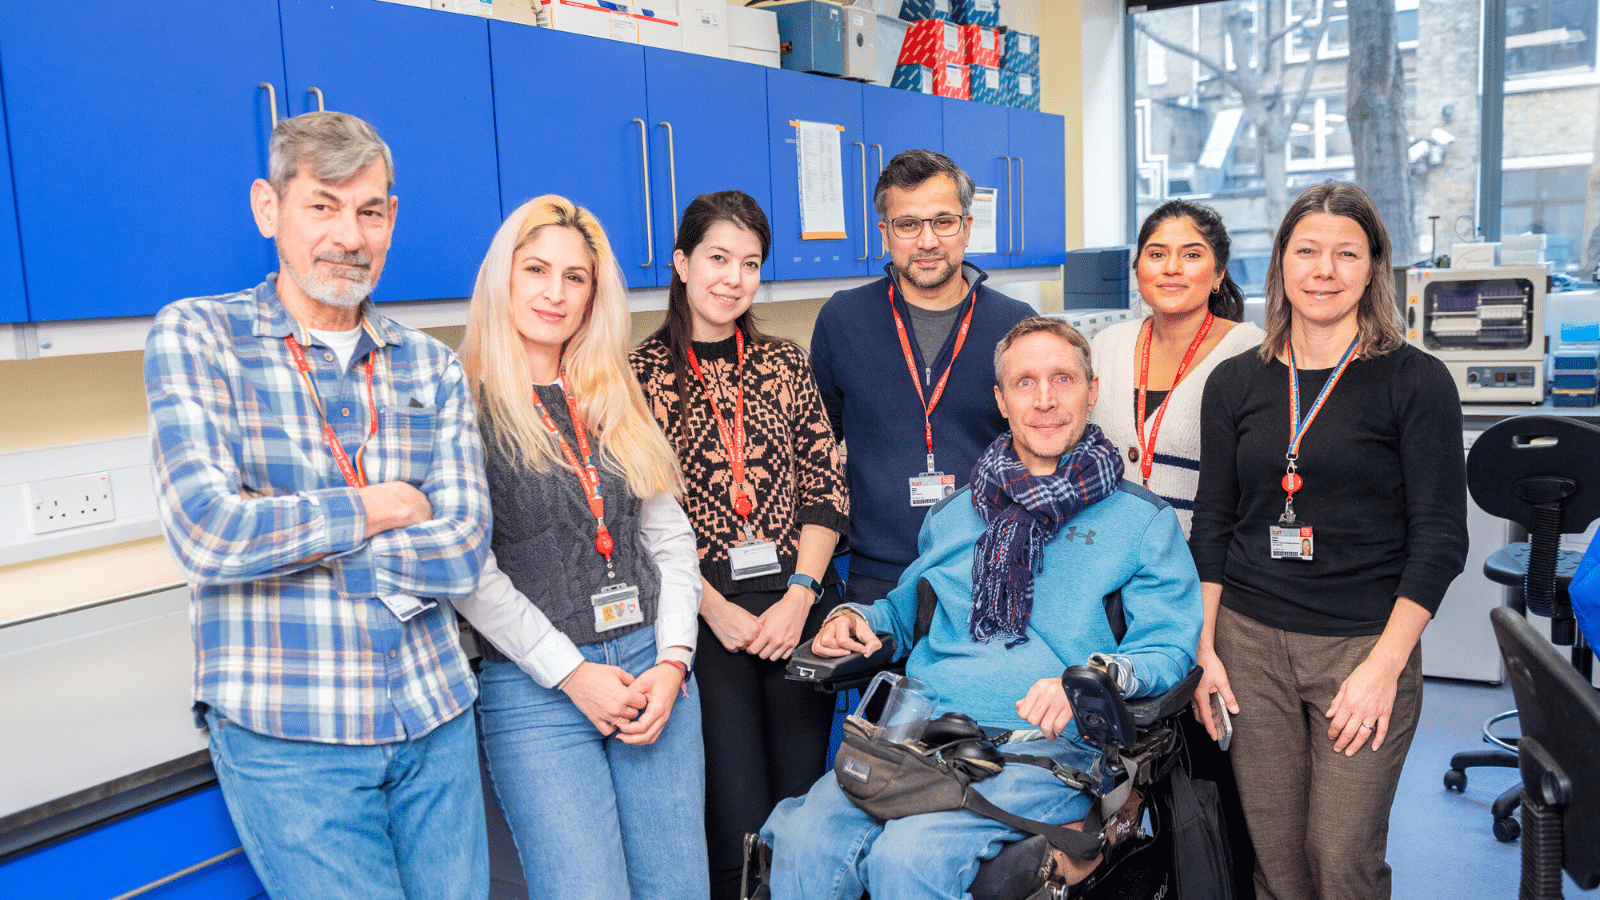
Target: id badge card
{"type": "Point", "coordinates": [406, 607]}
{"type": "Point", "coordinates": [1291, 542]}
{"type": "Point", "coordinates": [929, 488]}
{"type": "Point", "coordinates": [751, 559]}
{"type": "Point", "coordinates": [615, 606]}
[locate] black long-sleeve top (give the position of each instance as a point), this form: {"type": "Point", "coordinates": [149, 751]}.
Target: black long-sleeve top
{"type": "Point", "coordinates": [1384, 489]}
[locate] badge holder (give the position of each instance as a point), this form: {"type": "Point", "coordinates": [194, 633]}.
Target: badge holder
{"type": "Point", "coordinates": [751, 558]}
{"type": "Point", "coordinates": [1290, 538]}
{"type": "Point", "coordinates": [931, 486]}
{"type": "Point", "coordinates": [616, 606]}
{"type": "Point", "coordinates": [406, 607]}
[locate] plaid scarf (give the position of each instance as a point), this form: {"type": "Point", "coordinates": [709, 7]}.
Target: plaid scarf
{"type": "Point", "coordinates": [1022, 512]}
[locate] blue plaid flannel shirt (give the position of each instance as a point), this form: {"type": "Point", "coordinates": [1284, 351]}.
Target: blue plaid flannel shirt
{"type": "Point", "coordinates": [247, 490]}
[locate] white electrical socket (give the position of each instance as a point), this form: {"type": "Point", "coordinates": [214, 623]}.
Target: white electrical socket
{"type": "Point", "coordinates": [69, 502]}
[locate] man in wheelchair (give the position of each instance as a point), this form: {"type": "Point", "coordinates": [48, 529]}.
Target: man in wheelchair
{"type": "Point", "coordinates": [1024, 563]}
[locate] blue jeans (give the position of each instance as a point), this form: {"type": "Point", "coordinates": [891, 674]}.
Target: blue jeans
{"type": "Point", "coordinates": [400, 820]}
{"type": "Point", "coordinates": [824, 846]}
{"type": "Point", "coordinates": [594, 817]}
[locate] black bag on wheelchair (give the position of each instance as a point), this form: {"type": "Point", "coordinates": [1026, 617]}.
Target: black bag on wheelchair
{"type": "Point", "coordinates": [894, 780]}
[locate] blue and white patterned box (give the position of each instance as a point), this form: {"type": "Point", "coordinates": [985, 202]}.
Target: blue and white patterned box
{"type": "Point", "coordinates": [1021, 89]}
{"type": "Point", "coordinates": [976, 12]}
{"type": "Point", "coordinates": [917, 10]}
{"type": "Point", "coordinates": [986, 85]}
{"type": "Point", "coordinates": [1020, 52]}
{"type": "Point", "coordinates": [913, 78]}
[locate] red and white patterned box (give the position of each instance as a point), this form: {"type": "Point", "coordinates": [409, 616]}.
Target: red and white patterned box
{"type": "Point", "coordinates": [950, 80]}
{"type": "Point", "coordinates": [980, 45]}
{"type": "Point", "coordinates": [933, 43]}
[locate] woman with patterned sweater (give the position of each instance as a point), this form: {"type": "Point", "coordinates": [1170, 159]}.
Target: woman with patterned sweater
{"type": "Point", "coordinates": [766, 494]}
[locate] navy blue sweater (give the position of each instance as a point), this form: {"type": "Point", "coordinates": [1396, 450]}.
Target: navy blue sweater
{"type": "Point", "coordinates": [873, 405]}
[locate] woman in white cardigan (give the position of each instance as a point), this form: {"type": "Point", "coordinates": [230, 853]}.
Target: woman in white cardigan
{"type": "Point", "coordinates": [1158, 367]}
{"type": "Point", "coordinates": [1152, 372]}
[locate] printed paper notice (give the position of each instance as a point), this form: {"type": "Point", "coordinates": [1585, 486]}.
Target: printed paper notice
{"type": "Point", "coordinates": [983, 223]}
{"type": "Point", "coordinates": [820, 157]}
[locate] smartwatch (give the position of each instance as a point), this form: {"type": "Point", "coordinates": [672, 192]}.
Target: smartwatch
{"type": "Point", "coordinates": [807, 582]}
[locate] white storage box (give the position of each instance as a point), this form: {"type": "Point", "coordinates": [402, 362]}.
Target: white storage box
{"type": "Point", "coordinates": [861, 44]}
{"type": "Point", "coordinates": [753, 35]}
{"type": "Point", "coordinates": [704, 24]}
{"type": "Point", "coordinates": [658, 24]}
{"type": "Point", "coordinates": [891, 34]}
{"type": "Point", "coordinates": [596, 18]}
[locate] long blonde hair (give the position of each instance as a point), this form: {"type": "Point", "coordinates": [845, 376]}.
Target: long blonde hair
{"type": "Point", "coordinates": [595, 359]}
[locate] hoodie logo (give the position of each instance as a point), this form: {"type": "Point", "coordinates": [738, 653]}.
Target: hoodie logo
{"type": "Point", "coordinates": [1073, 534]}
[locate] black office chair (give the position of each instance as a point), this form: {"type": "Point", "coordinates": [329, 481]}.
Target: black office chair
{"type": "Point", "coordinates": [1560, 752]}
{"type": "Point", "coordinates": [1542, 472]}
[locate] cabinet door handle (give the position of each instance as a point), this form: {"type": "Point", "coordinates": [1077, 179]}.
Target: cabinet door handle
{"type": "Point", "coordinates": [1022, 209]}
{"type": "Point", "coordinates": [649, 226]}
{"type": "Point", "coordinates": [272, 101]}
{"type": "Point", "coordinates": [672, 180]}
{"type": "Point", "coordinates": [181, 873]}
{"type": "Point", "coordinates": [866, 250]}
{"type": "Point", "coordinates": [881, 248]}
{"type": "Point", "coordinates": [1011, 231]}
{"type": "Point", "coordinates": [318, 92]}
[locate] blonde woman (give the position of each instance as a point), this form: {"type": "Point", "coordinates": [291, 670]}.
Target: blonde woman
{"type": "Point", "coordinates": [588, 603]}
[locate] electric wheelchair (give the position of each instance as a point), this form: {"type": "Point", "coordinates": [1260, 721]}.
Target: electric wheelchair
{"type": "Point", "coordinates": [1139, 771]}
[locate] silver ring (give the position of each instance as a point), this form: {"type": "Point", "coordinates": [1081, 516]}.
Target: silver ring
{"type": "Point", "coordinates": [1366, 727]}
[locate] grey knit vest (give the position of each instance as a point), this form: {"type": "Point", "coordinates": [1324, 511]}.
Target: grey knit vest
{"type": "Point", "coordinates": [544, 534]}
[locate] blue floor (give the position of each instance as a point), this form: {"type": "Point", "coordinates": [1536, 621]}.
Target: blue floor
{"type": "Point", "coordinates": [1440, 843]}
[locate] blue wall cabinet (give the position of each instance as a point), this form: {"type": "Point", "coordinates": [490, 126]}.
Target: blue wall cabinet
{"type": "Point", "coordinates": [138, 849]}
{"type": "Point", "coordinates": [706, 134]}
{"type": "Point", "coordinates": [1038, 146]}
{"type": "Point", "coordinates": [135, 131]}
{"type": "Point", "coordinates": [975, 137]}
{"type": "Point", "coordinates": [571, 118]}
{"type": "Point", "coordinates": [796, 96]}
{"type": "Point", "coordinates": [895, 121]}
{"type": "Point", "coordinates": [13, 296]}
{"type": "Point", "coordinates": [421, 79]}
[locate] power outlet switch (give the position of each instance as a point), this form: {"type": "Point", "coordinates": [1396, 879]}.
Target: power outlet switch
{"type": "Point", "coordinates": [69, 502]}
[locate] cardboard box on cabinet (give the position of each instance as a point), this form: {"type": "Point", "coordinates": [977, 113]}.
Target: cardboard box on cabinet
{"type": "Point", "coordinates": [980, 45]}
{"type": "Point", "coordinates": [860, 44]}
{"type": "Point", "coordinates": [596, 18]}
{"type": "Point", "coordinates": [913, 78]}
{"type": "Point", "coordinates": [1019, 52]}
{"type": "Point", "coordinates": [975, 12]}
{"type": "Point", "coordinates": [932, 43]}
{"type": "Point", "coordinates": [753, 36]}
{"type": "Point", "coordinates": [704, 24]}
{"type": "Point", "coordinates": [658, 24]}
{"type": "Point", "coordinates": [984, 85]}
{"type": "Point", "coordinates": [917, 10]}
{"type": "Point", "coordinates": [1020, 88]}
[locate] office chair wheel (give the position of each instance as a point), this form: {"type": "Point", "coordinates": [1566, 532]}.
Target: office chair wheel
{"type": "Point", "coordinates": [1506, 830]}
{"type": "Point", "coordinates": [1455, 780]}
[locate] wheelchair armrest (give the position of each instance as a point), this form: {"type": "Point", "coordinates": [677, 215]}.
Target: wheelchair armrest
{"type": "Point", "coordinates": [832, 674]}
{"type": "Point", "coordinates": [1147, 711]}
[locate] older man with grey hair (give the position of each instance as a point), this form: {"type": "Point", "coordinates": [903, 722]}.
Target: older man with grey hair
{"type": "Point", "coordinates": [320, 477]}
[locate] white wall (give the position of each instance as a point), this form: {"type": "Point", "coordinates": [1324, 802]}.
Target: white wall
{"type": "Point", "coordinates": [1105, 175]}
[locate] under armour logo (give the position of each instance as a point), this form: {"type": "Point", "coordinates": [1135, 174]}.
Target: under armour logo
{"type": "Point", "coordinates": [1072, 534]}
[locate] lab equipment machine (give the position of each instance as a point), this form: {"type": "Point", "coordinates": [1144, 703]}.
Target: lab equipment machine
{"type": "Point", "coordinates": [1486, 324]}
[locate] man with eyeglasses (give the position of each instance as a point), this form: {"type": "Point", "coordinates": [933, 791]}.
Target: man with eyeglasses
{"type": "Point", "coordinates": [906, 367]}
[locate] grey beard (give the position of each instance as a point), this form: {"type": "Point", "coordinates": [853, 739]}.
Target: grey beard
{"type": "Point", "coordinates": [335, 291]}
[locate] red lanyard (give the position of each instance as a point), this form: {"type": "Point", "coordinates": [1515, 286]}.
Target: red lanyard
{"type": "Point", "coordinates": [742, 503]}
{"type": "Point", "coordinates": [586, 470]}
{"type": "Point", "coordinates": [355, 474]}
{"type": "Point", "coordinates": [905, 345]}
{"type": "Point", "coordinates": [1147, 452]}
{"type": "Point", "coordinates": [1297, 426]}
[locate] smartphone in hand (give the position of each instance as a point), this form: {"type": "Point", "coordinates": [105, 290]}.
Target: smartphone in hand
{"type": "Point", "coordinates": [1219, 712]}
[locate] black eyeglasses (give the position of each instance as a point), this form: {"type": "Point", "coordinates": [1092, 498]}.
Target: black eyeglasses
{"type": "Point", "coordinates": [908, 227]}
